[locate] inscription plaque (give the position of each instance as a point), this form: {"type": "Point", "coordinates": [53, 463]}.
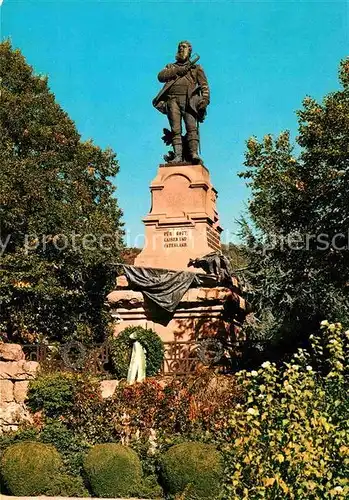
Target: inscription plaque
{"type": "Point", "coordinates": [175, 238]}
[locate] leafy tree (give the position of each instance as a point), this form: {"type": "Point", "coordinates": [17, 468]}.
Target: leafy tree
{"type": "Point", "coordinates": [59, 221]}
{"type": "Point", "coordinates": [235, 254]}
{"type": "Point", "coordinates": [129, 254]}
{"type": "Point", "coordinates": [299, 236]}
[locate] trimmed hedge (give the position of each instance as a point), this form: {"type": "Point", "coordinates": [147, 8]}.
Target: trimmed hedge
{"type": "Point", "coordinates": [33, 468]}
{"type": "Point", "coordinates": [28, 468]}
{"type": "Point", "coordinates": [113, 470]}
{"type": "Point", "coordinates": [194, 469]}
{"type": "Point", "coordinates": [121, 349]}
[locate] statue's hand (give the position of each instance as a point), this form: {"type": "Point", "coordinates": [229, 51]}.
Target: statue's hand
{"type": "Point", "coordinates": [183, 70]}
{"type": "Point", "coordinates": [202, 104]}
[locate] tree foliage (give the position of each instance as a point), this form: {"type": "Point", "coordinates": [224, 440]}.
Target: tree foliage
{"type": "Point", "coordinates": [299, 237]}
{"type": "Point", "coordinates": [129, 254]}
{"type": "Point", "coordinates": [56, 203]}
{"type": "Point", "coordinates": [235, 254]}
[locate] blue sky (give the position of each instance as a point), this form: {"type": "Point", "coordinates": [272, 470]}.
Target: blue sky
{"type": "Point", "coordinates": [102, 58]}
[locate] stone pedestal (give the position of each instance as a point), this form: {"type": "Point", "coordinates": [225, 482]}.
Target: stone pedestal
{"type": "Point", "coordinates": [201, 314]}
{"type": "Point", "coordinates": [182, 224]}
{"type": "Point", "coordinates": [183, 221]}
{"type": "Point", "coordinates": [198, 315]}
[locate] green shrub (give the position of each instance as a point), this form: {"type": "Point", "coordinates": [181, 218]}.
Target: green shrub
{"type": "Point", "coordinates": [71, 447]}
{"type": "Point", "coordinates": [53, 393]}
{"type": "Point", "coordinates": [28, 468]}
{"type": "Point", "coordinates": [67, 486]}
{"type": "Point", "coordinates": [193, 468]}
{"type": "Point", "coordinates": [150, 488]}
{"type": "Point", "coordinates": [62, 393]}
{"type": "Point", "coordinates": [121, 349]}
{"type": "Point", "coordinates": [113, 470]}
{"type": "Point", "coordinates": [25, 434]}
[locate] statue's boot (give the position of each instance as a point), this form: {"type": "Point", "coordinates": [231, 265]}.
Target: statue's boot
{"type": "Point", "coordinates": [178, 151]}
{"type": "Point", "coordinates": [193, 150]}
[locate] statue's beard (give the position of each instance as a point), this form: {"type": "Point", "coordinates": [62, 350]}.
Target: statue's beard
{"type": "Point", "coordinates": [181, 58]}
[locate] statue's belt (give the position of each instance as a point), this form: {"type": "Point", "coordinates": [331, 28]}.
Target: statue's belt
{"type": "Point", "coordinates": [179, 88]}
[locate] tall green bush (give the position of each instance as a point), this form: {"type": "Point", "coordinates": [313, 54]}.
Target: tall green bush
{"type": "Point", "coordinates": [57, 393]}
{"type": "Point", "coordinates": [53, 393]}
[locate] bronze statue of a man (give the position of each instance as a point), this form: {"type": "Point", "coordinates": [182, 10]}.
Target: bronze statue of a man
{"type": "Point", "coordinates": [186, 96]}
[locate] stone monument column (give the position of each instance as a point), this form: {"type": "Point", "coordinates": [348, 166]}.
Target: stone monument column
{"type": "Point", "coordinates": [182, 225]}
{"type": "Point", "coordinates": [183, 221]}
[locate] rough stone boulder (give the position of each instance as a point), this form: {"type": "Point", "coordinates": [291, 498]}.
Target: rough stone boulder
{"type": "Point", "coordinates": [15, 374]}
{"type": "Point", "coordinates": [11, 352]}
{"type": "Point", "coordinates": [6, 391]}
{"type": "Point", "coordinates": [20, 391]}
{"type": "Point", "coordinates": [108, 388]}
{"type": "Point", "coordinates": [12, 414]}
{"type": "Point", "coordinates": [18, 370]}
